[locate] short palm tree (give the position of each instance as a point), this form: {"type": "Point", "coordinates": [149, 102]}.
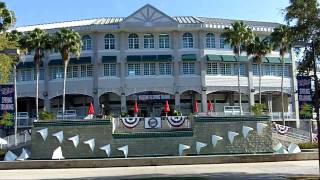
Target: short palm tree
{"type": "Point", "coordinates": [68, 42]}
{"type": "Point", "coordinates": [7, 17]}
{"type": "Point", "coordinates": [281, 40]}
{"type": "Point", "coordinates": [38, 41]}
{"type": "Point", "coordinates": [238, 36]}
{"type": "Point", "coordinates": [259, 49]}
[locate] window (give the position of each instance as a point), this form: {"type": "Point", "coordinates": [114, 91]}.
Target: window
{"type": "Point", "coordinates": [225, 68]}
{"type": "Point", "coordinates": [212, 68]}
{"type": "Point", "coordinates": [223, 44]}
{"type": "Point", "coordinates": [26, 75]}
{"type": "Point", "coordinates": [255, 69]}
{"type": "Point", "coordinates": [109, 41]}
{"type": "Point", "coordinates": [165, 68]}
{"type": "Point", "coordinates": [133, 41]}
{"type": "Point", "coordinates": [188, 68]}
{"type": "Point", "coordinates": [286, 71]}
{"type": "Point", "coordinates": [164, 41]}
{"type": "Point", "coordinates": [72, 72]}
{"type": "Point", "coordinates": [273, 70]}
{"type": "Point", "coordinates": [109, 69]}
{"type": "Point", "coordinates": [187, 40]}
{"type": "Point", "coordinates": [41, 74]}
{"type": "Point", "coordinates": [86, 70]}
{"type": "Point", "coordinates": [133, 69]}
{"type": "Point", "coordinates": [86, 43]}
{"type": "Point", "coordinates": [149, 69]}
{"type": "Point", "coordinates": [242, 70]}
{"type": "Point", "coordinates": [210, 41]}
{"type": "Point", "coordinates": [148, 41]}
{"type": "Point", "coordinates": [56, 72]}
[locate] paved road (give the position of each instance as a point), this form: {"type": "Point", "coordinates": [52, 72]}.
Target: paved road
{"type": "Point", "coordinates": [268, 170]}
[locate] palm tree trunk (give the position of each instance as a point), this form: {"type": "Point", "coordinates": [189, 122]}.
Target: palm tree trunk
{"type": "Point", "coordinates": [37, 91]}
{"type": "Point", "coordinates": [260, 74]}
{"type": "Point", "coordinates": [64, 88]}
{"type": "Point", "coordinates": [239, 88]}
{"type": "Point", "coordinates": [282, 98]}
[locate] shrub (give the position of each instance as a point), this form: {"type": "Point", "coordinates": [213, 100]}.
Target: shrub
{"type": "Point", "coordinates": [46, 115]}
{"type": "Point", "coordinates": [7, 119]}
{"type": "Point", "coordinates": [124, 114]}
{"type": "Point", "coordinates": [258, 109]}
{"type": "Point", "coordinates": [308, 145]}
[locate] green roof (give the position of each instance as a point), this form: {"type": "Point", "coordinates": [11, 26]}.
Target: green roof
{"type": "Point", "coordinates": [228, 58]}
{"type": "Point", "coordinates": [109, 59]}
{"type": "Point", "coordinates": [242, 58]}
{"type": "Point", "coordinates": [164, 58]}
{"type": "Point", "coordinates": [81, 60]}
{"type": "Point", "coordinates": [149, 58]}
{"type": "Point", "coordinates": [273, 59]}
{"type": "Point", "coordinates": [28, 65]}
{"type": "Point", "coordinates": [133, 58]}
{"type": "Point", "coordinates": [189, 57]}
{"type": "Point", "coordinates": [212, 57]}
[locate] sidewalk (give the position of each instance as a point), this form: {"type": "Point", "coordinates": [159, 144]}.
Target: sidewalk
{"type": "Point", "coordinates": [269, 170]}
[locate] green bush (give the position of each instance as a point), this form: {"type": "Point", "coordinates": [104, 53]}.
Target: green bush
{"type": "Point", "coordinates": [124, 114]}
{"type": "Point", "coordinates": [177, 113]}
{"type": "Point", "coordinates": [308, 145]}
{"type": "Point", "coordinates": [258, 109]}
{"type": "Point", "coordinates": [7, 119]}
{"type": "Point", "coordinates": [45, 115]}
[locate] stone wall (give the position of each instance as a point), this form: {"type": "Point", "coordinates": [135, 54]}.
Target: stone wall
{"type": "Point", "coordinates": [150, 143]}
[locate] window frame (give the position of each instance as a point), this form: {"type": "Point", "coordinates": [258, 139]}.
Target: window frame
{"type": "Point", "coordinates": [133, 41]}
{"type": "Point", "coordinates": [109, 41]}
{"type": "Point", "coordinates": [164, 41]}
{"type": "Point", "coordinates": [148, 41]}
{"type": "Point", "coordinates": [210, 41]}
{"type": "Point", "coordinates": [86, 43]}
{"type": "Point", "coordinates": [187, 40]}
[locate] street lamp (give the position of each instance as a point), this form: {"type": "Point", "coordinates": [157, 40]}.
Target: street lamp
{"type": "Point", "coordinates": [14, 52]}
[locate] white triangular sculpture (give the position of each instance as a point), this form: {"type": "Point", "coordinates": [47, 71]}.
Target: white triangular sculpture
{"type": "Point", "coordinates": [59, 136]}
{"type": "Point", "coordinates": [125, 150]}
{"type": "Point", "coordinates": [282, 150]}
{"type": "Point", "coordinates": [215, 140]}
{"type": "Point", "coordinates": [231, 136]}
{"type": "Point", "coordinates": [107, 149]}
{"type": "Point", "coordinates": [246, 130]}
{"type": "Point", "coordinates": [75, 140]}
{"type": "Point", "coordinates": [57, 154]}
{"type": "Point", "coordinates": [260, 127]}
{"type": "Point", "coordinates": [183, 147]}
{"type": "Point", "coordinates": [23, 156]}
{"type": "Point", "coordinates": [43, 133]}
{"type": "Point", "coordinates": [293, 148]}
{"type": "Point", "coordinates": [200, 145]}
{"type": "Point", "coordinates": [90, 116]}
{"type": "Point", "coordinates": [10, 156]}
{"type": "Point", "coordinates": [91, 143]}
{"type": "Point", "coordinates": [3, 142]}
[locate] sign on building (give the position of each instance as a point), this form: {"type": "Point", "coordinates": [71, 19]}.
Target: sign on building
{"type": "Point", "coordinates": [305, 97]}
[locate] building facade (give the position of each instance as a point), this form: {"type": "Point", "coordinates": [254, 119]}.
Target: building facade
{"type": "Point", "coordinates": [152, 57]}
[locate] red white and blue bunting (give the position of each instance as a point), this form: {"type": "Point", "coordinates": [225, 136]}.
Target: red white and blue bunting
{"type": "Point", "coordinates": [176, 121]}
{"type": "Point", "coordinates": [282, 129]}
{"type": "Point", "coordinates": [130, 122]}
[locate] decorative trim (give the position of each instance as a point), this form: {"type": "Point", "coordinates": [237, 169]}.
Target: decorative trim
{"type": "Point", "coordinates": [130, 122]}
{"type": "Point", "coordinates": [176, 121]}
{"type": "Point", "coordinates": [232, 119]}
{"type": "Point", "coordinates": [72, 123]}
{"type": "Point", "coordinates": [153, 134]}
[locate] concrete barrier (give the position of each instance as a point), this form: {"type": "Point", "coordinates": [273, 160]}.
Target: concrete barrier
{"type": "Point", "coordinates": [156, 161]}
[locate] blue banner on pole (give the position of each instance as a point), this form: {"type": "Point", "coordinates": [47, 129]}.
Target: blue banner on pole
{"type": "Point", "coordinates": [7, 108]}
{"type": "Point", "coordinates": [305, 97]}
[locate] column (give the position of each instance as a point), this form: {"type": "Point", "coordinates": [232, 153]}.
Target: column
{"type": "Point", "coordinates": [204, 101]}
{"type": "Point", "coordinates": [95, 61]}
{"type": "Point", "coordinates": [203, 72]}
{"type": "Point", "coordinates": [176, 68]}
{"type": "Point", "coordinates": [122, 61]}
{"type": "Point", "coordinates": [123, 103]}
{"type": "Point", "coordinates": [269, 97]}
{"type": "Point", "coordinates": [294, 88]}
{"type": "Point", "coordinates": [177, 100]}
{"type": "Point", "coordinates": [46, 100]}
{"type": "Point", "coordinates": [251, 88]}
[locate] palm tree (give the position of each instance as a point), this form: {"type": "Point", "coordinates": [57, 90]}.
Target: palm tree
{"type": "Point", "coordinates": [280, 37]}
{"type": "Point", "coordinates": [259, 49]}
{"type": "Point", "coordinates": [38, 41]}
{"type": "Point", "coordinates": [68, 42]}
{"type": "Point", "coordinates": [7, 17]}
{"type": "Point", "coordinates": [238, 36]}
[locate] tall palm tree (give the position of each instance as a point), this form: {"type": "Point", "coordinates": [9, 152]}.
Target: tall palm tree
{"type": "Point", "coordinates": [238, 36]}
{"type": "Point", "coordinates": [281, 39]}
{"type": "Point", "coordinates": [259, 49]}
{"type": "Point", "coordinates": [7, 17]}
{"type": "Point", "coordinates": [38, 41]}
{"type": "Point", "coordinates": [68, 42]}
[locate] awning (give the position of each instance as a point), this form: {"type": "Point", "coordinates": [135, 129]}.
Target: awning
{"type": "Point", "coordinates": [109, 59]}
{"type": "Point", "coordinates": [133, 58]}
{"type": "Point", "coordinates": [287, 60]}
{"type": "Point", "coordinates": [164, 58]}
{"type": "Point", "coordinates": [149, 58]}
{"type": "Point", "coordinates": [273, 59]}
{"type": "Point", "coordinates": [189, 57]}
{"type": "Point", "coordinates": [28, 65]}
{"type": "Point", "coordinates": [228, 58]}
{"type": "Point", "coordinates": [81, 60]}
{"type": "Point", "coordinates": [212, 57]}
{"type": "Point", "coordinates": [242, 58]}
{"type": "Point", "coordinates": [264, 60]}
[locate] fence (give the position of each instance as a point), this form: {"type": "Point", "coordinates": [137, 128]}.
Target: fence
{"type": "Point", "coordinates": [21, 138]}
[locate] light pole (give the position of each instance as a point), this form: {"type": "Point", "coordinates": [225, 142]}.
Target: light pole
{"type": "Point", "coordinates": [14, 52]}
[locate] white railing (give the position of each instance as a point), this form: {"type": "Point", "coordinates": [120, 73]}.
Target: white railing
{"type": "Point", "coordinates": [276, 116]}
{"type": "Point", "coordinates": [21, 138]}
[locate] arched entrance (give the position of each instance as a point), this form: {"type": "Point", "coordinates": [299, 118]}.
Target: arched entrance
{"type": "Point", "coordinates": [151, 103]}
{"type": "Point", "coordinates": [220, 99]}
{"type": "Point", "coordinates": [78, 102]}
{"type": "Point", "coordinates": [187, 101]}
{"type": "Point", "coordinates": [28, 104]}
{"type": "Point", "coordinates": [273, 100]}
{"type": "Point", "coordinates": [110, 104]}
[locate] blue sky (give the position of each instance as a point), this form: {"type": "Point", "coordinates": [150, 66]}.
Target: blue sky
{"type": "Point", "coordinates": [44, 11]}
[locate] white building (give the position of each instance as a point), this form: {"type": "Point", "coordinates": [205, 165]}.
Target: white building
{"type": "Point", "coordinates": [152, 57]}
